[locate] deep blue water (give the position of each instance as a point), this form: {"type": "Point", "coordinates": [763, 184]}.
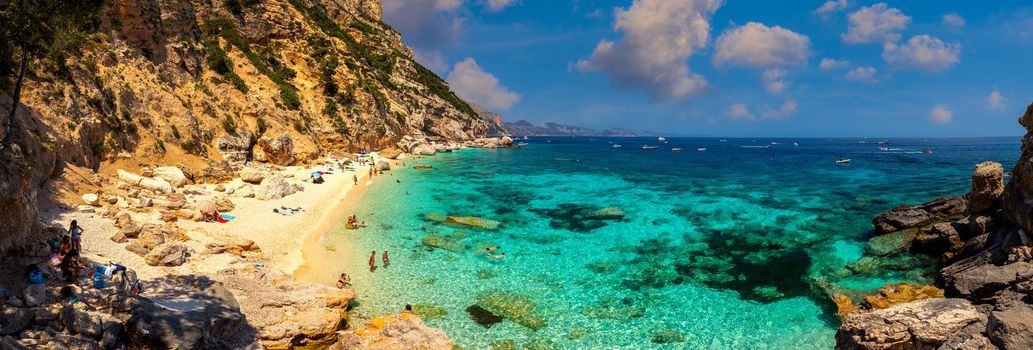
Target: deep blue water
{"type": "Point", "coordinates": [733, 247]}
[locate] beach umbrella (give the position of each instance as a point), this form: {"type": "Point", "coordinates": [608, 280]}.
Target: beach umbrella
{"type": "Point", "coordinates": [207, 206]}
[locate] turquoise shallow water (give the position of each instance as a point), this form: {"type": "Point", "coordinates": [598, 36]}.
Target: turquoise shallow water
{"type": "Point", "coordinates": [730, 248]}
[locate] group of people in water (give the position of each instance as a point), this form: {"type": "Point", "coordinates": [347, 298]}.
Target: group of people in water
{"type": "Point", "coordinates": [354, 223]}
{"type": "Point", "coordinates": [490, 252]}
{"type": "Point", "coordinates": [373, 260]}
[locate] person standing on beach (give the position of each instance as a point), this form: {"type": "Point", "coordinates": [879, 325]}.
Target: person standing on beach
{"type": "Point", "coordinates": [355, 178]}
{"type": "Point", "coordinates": [384, 259]}
{"type": "Point", "coordinates": [76, 232]}
{"type": "Point", "coordinates": [372, 261]}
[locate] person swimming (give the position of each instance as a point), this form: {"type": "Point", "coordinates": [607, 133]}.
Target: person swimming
{"type": "Point", "coordinates": [343, 281]}
{"type": "Point", "coordinates": [372, 261]}
{"type": "Point", "coordinates": [385, 259]}
{"type": "Point", "coordinates": [488, 249]}
{"type": "Point", "coordinates": [499, 256]}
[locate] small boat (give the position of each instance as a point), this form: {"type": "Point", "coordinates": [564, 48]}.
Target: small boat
{"type": "Point", "coordinates": [884, 149]}
{"type": "Point", "coordinates": [661, 139]}
{"type": "Point", "coordinates": [525, 137]}
{"type": "Point", "coordinates": [795, 144]}
{"type": "Point", "coordinates": [775, 143]}
{"type": "Point", "coordinates": [422, 167]}
{"type": "Point", "coordinates": [616, 145]}
{"type": "Point", "coordinates": [842, 160]}
{"type": "Point", "coordinates": [723, 140]}
{"type": "Point", "coordinates": [649, 147]}
{"type": "Point", "coordinates": [884, 142]}
{"type": "Point", "coordinates": [927, 151]}
{"type": "Point", "coordinates": [676, 149]}
{"type": "Point", "coordinates": [521, 143]}
{"type": "Point", "coordinates": [701, 149]}
{"type": "Point", "coordinates": [548, 141]}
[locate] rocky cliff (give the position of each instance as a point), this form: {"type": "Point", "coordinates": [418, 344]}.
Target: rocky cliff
{"type": "Point", "coordinates": [199, 82]}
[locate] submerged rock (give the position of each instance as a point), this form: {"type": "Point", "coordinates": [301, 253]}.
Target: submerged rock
{"type": "Point", "coordinates": [429, 312]}
{"type": "Point", "coordinates": [483, 317]}
{"type": "Point", "coordinates": [607, 214]}
{"type": "Point", "coordinates": [513, 306]}
{"type": "Point", "coordinates": [473, 221]}
{"type": "Point", "coordinates": [667, 336]}
{"type": "Point", "coordinates": [923, 324]}
{"type": "Point", "coordinates": [916, 216]}
{"type": "Point", "coordinates": [434, 216]}
{"type": "Point", "coordinates": [449, 243]}
{"type": "Point", "coordinates": [892, 243]}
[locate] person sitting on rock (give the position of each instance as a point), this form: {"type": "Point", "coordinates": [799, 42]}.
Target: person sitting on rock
{"type": "Point", "coordinates": [70, 266]}
{"type": "Point", "coordinates": [343, 281]}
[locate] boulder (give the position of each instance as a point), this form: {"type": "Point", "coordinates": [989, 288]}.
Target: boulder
{"type": "Point", "coordinates": [85, 209]}
{"type": "Point", "coordinates": [923, 324]}
{"type": "Point", "coordinates": [275, 187]}
{"type": "Point", "coordinates": [383, 165]}
{"type": "Point", "coordinates": [35, 294]}
{"type": "Point", "coordinates": [984, 281]}
{"type": "Point", "coordinates": [91, 199]}
{"type": "Point", "coordinates": [75, 318]}
{"type": "Point", "coordinates": [424, 150]}
{"type": "Point", "coordinates": [130, 229]}
{"type": "Point", "coordinates": [245, 192]}
{"type": "Point", "coordinates": [987, 188]}
{"type": "Point", "coordinates": [150, 183]}
{"type": "Point", "coordinates": [405, 331]}
{"type": "Point", "coordinates": [224, 204]}
{"type": "Point", "coordinates": [1012, 328]}
{"type": "Point", "coordinates": [119, 237]}
{"type": "Point", "coordinates": [151, 238]}
{"type": "Point", "coordinates": [235, 147]}
{"type": "Point", "coordinates": [168, 254]}
{"type": "Point", "coordinates": [938, 239]}
{"type": "Point", "coordinates": [137, 249]}
{"type": "Point", "coordinates": [390, 153]}
{"type": "Point", "coordinates": [891, 243]}
{"type": "Point", "coordinates": [253, 174]}
{"type": "Point", "coordinates": [513, 306]}
{"type": "Point", "coordinates": [173, 175]}
{"type": "Point", "coordinates": [165, 322]}
{"type": "Point", "coordinates": [917, 216]}
{"type": "Point", "coordinates": [173, 201]}
{"type": "Point", "coordinates": [277, 149]}
{"type": "Point", "coordinates": [473, 221]}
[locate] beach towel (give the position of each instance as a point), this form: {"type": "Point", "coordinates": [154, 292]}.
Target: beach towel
{"type": "Point", "coordinates": [228, 217]}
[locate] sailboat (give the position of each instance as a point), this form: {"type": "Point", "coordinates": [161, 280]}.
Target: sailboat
{"type": "Point", "coordinates": [648, 147]}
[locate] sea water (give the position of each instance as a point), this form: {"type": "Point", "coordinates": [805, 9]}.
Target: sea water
{"type": "Point", "coordinates": [734, 247]}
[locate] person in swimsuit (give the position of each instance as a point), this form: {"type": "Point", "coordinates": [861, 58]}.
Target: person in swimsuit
{"type": "Point", "coordinates": [76, 232]}
{"type": "Point", "coordinates": [343, 281]}
{"type": "Point", "coordinates": [499, 256]}
{"type": "Point", "coordinates": [372, 261]}
{"type": "Point", "coordinates": [356, 179]}
{"type": "Point", "coordinates": [384, 259]}
{"type": "Point", "coordinates": [488, 249]}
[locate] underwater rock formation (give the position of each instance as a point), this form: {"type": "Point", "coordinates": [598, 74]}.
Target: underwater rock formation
{"type": "Point", "coordinates": [515, 307]}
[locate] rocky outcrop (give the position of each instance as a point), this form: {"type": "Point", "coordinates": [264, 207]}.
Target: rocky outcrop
{"type": "Point", "coordinates": [275, 187]}
{"type": "Point", "coordinates": [987, 188]}
{"type": "Point", "coordinates": [165, 320]}
{"type": "Point", "coordinates": [390, 153]}
{"type": "Point", "coordinates": [235, 147]}
{"type": "Point", "coordinates": [916, 216]}
{"type": "Point", "coordinates": [278, 150]}
{"type": "Point", "coordinates": [405, 331]}
{"type": "Point", "coordinates": [1018, 193]}
{"type": "Point", "coordinates": [923, 324]}
{"type": "Point", "coordinates": [1012, 327]}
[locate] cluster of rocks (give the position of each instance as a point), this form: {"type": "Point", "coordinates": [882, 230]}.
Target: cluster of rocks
{"type": "Point", "coordinates": [426, 146]}
{"type": "Point", "coordinates": [983, 241]}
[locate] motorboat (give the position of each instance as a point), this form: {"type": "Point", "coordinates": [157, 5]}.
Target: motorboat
{"type": "Point", "coordinates": [521, 143]}
{"type": "Point", "coordinates": [661, 139]}
{"type": "Point", "coordinates": [701, 149]}
{"type": "Point", "coordinates": [775, 143]}
{"type": "Point", "coordinates": [723, 140]}
{"type": "Point", "coordinates": [649, 147]}
{"type": "Point", "coordinates": [884, 149]}
{"type": "Point", "coordinates": [927, 151]}
{"type": "Point", "coordinates": [676, 149]}
{"type": "Point", "coordinates": [884, 142]}
{"type": "Point", "coordinates": [616, 145]}
{"type": "Point", "coordinates": [796, 144]}
{"type": "Point", "coordinates": [525, 137]}
{"type": "Point", "coordinates": [843, 161]}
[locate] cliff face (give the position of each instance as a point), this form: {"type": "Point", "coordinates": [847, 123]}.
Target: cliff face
{"type": "Point", "coordinates": [1018, 194]}
{"type": "Point", "coordinates": [199, 81]}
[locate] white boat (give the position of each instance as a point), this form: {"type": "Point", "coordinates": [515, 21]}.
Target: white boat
{"type": "Point", "coordinates": [616, 145]}
{"type": "Point", "coordinates": [842, 160]}
{"type": "Point", "coordinates": [884, 149]}
{"type": "Point", "coordinates": [522, 144]}
{"type": "Point", "coordinates": [661, 139]}
{"type": "Point", "coordinates": [723, 140]}
{"type": "Point", "coordinates": [775, 143]}
{"type": "Point", "coordinates": [701, 149]}
{"type": "Point", "coordinates": [676, 149]}
{"type": "Point", "coordinates": [649, 147]}
{"type": "Point", "coordinates": [795, 144]}
{"type": "Point", "coordinates": [525, 137]}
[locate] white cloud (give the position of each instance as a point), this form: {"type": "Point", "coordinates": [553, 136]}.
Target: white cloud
{"type": "Point", "coordinates": [432, 59]}
{"type": "Point", "coordinates": [941, 114]}
{"type": "Point", "coordinates": [831, 6]}
{"type": "Point", "coordinates": [832, 63]}
{"type": "Point", "coordinates": [953, 20]}
{"type": "Point", "coordinates": [773, 80]}
{"type": "Point", "coordinates": [738, 111]}
{"type": "Point", "coordinates": [498, 5]}
{"type": "Point", "coordinates": [659, 38]}
{"type": "Point", "coordinates": [876, 23]}
{"type": "Point", "coordinates": [862, 74]}
{"type": "Point", "coordinates": [470, 81]}
{"type": "Point", "coordinates": [787, 109]}
{"type": "Point", "coordinates": [923, 52]}
{"type": "Point", "coordinates": [757, 45]}
{"type": "Point", "coordinates": [995, 101]}
{"type": "Point", "coordinates": [425, 23]}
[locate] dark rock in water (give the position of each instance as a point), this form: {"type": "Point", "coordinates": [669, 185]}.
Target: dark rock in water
{"type": "Point", "coordinates": [1012, 328]}
{"type": "Point", "coordinates": [483, 317]}
{"type": "Point", "coordinates": [579, 217]}
{"type": "Point", "coordinates": [891, 243]}
{"type": "Point", "coordinates": [916, 216]}
{"type": "Point", "coordinates": [923, 324]}
{"type": "Point", "coordinates": [984, 281]}
{"type": "Point", "coordinates": [939, 239]}
{"type": "Point", "coordinates": [667, 336]}
{"type": "Point", "coordinates": [614, 308]}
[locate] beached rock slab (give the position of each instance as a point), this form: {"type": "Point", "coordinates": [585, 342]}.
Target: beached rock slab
{"type": "Point", "coordinates": [1012, 328]}
{"type": "Point", "coordinates": [253, 174]}
{"type": "Point", "coordinates": [85, 209]}
{"type": "Point", "coordinates": [277, 149]}
{"type": "Point", "coordinates": [917, 216]}
{"type": "Point", "coordinates": [137, 249]}
{"type": "Point", "coordinates": [35, 294]}
{"type": "Point", "coordinates": [938, 239]}
{"type": "Point", "coordinates": [168, 254]}
{"type": "Point", "coordinates": [891, 243]}
{"type": "Point", "coordinates": [174, 175]}
{"type": "Point", "coordinates": [91, 199]}
{"type": "Point", "coordinates": [224, 204]}
{"type": "Point", "coordinates": [173, 201]}
{"type": "Point", "coordinates": [405, 331]}
{"type": "Point", "coordinates": [513, 306]}
{"type": "Point", "coordinates": [390, 153]}
{"type": "Point", "coordinates": [275, 187]}
{"type": "Point", "coordinates": [987, 188]}
{"type": "Point", "coordinates": [383, 165]}
{"type": "Point", "coordinates": [984, 281]}
{"type": "Point", "coordinates": [164, 322]}
{"type": "Point", "coordinates": [424, 150]}
{"type": "Point", "coordinates": [150, 183]}
{"type": "Point", "coordinates": [473, 221]}
{"type": "Point", "coordinates": [235, 147]}
{"type": "Point", "coordinates": [923, 324]}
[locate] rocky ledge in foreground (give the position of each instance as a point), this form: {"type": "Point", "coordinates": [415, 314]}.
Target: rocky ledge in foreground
{"type": "Point", "coordinates": [983, 241]}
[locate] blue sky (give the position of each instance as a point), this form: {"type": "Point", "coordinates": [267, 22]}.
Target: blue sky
{"type": "Point", "coordinates": [735, 68]}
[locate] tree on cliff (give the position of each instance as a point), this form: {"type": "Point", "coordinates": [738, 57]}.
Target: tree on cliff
{"type": "Point", "coordinates": [48, 30]}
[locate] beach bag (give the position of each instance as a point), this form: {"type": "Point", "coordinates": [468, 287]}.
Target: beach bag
{"type": "Point", "coordinates": [36, 276]}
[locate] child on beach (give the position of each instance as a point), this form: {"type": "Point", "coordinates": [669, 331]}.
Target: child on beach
{"type": "Point", "coordinates": [343, 281]}
{"type": "Point", "coordinates": [76, 232]}
{"type": "Point", "coordinates": [372, 261]}
{"type": "Point", "coordinates": [384, 259]}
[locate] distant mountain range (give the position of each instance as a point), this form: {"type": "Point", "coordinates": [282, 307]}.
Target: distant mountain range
{"type": "Point", "coordinates": [526, 128]}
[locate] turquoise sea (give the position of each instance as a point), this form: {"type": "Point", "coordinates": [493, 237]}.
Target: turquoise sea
{"type": "Point", "coordinates": [734, 247]}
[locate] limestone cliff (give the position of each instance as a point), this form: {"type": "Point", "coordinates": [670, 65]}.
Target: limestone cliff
{"type": "Point", "coordinates": [196, 82]}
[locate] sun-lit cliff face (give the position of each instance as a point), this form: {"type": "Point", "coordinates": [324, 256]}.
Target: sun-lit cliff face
{"type": "Point", "coordinates": [201, 81]}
